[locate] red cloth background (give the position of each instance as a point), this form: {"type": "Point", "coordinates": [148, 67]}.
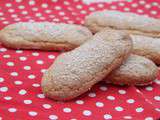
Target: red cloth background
{"type": "Point", "coordinates": [21, 97]}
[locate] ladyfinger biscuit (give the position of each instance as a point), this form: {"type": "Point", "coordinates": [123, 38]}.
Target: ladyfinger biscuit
{"type": "Point", "coordinates": [75, 72]}
{"type": "Point", "coordinates": [44, 36]}
{"type": "Point", "coordinates": [99, 20]}
{"type": "Point", "coordinates": [147, 46]}
{"type": "Point", "coordinates": [136, 70]}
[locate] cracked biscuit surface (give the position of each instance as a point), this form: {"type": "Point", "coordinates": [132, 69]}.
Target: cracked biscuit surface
{"type": "Point", "coordinates": [44, 36]}
{"type": "Point", "coordinates": [75, 72]}
{"type": "Point", "coordinates": [136, 70]}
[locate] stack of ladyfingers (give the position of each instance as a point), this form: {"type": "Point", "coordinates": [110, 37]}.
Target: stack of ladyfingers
{"type": "Point", "coordinates": [124, 50]}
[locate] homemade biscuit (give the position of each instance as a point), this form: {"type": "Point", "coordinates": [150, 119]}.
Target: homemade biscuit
{"type": "Point", "coordinates": [75, 72]}
{"type": "Point", "coordinates": [147, 46]}
{"type": "Point", "coordinates": [132, 22]}
{"type": "Point", "coordinates": [136, 70]}
{"type": "Point", "coordinates": [44, 36]}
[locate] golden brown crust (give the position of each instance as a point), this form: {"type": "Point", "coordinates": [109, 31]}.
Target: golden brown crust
{"type": "Point", "coordinates": [75, 72]}
{"type": "Point", "coordinates": [136, 70]}
{"type": "Point", "coordinates": [44, 36]}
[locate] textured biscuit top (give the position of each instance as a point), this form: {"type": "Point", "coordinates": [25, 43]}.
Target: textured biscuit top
{"type": "Point", "coordinates": [120, 20]}
{"type": "Point", "coordinates": [134, 71]}
{"type": "Point", "coordinates": [147, 46]}
{"type": "Point", "coordinates": [75, 72]}
{"type": "Point", "coordinates": [45, 32]}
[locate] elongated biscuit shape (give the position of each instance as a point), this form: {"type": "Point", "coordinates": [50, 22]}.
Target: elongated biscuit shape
{"type": "Point", "coordinates": [132, 22]}
{"type": "Point", "coordinates": [44, 36]}
{"type": "Point", "coordinates": [75, 72]}
{"type": "Point", "coordinates": [147, 46]}
{"type": "Point", "coordinates": [136, 70]}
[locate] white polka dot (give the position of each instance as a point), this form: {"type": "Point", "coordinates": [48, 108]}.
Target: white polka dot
{"type": "Point", "coordinates": [31, 76]}
{"type": "Point", "coordinates": [6, 56]}
{"type": "Point", "coordinates": [47, 106]}
{"type": "Point", "coordinates": [3, 89]}
{"type": "Point", "coordinates": [27, 67]}
{"type": "Point", "coordinates": [103, 88]}
{"type": "Point", "coordinates": [22, 58]}
{"type": "Point", "coordinates": [18, 1]}
{"type": "Point", "coordinates": [12, 109]}
{"type": "Point", "coordinates": [48, 11]}
{"type": "Point", "coordinates": [140, 109]}
{"type": "Point", "coordinates": [24, 12]}
{"type": "Point", "coordinates": [140, 11]}
{"type": "Point", "coordinates": [2, 18]}
{"type": "Point", "coordinates": [127, 117]}
{"type": "Point", "coordinates": [57, 8]}
{"type": "Point", "coordinates": [14, 15]}
{"type": "Point", "coordinates": [54, 0]}
{"type": "Point", "coordinates": [11, 10]}
{"type": "Point", "coordinates": [35, 9]}
{"type": "Point", "coordinates": [51, 56]}
{"type": "Point", "coordinates": [36, 85]}
{"type": "Point", "coordinates": [79, 6]}
{"type": "Point", "coordinates": [118, 108]}
{"type": "Point", "coordinates": [113, 7]}
{"type": "Point", "coordinates": [10, 64]}
{"type": "Point", "coordinates": [44, 5]}
{"type": "Point", "coordinates": [61, 13]}
{"type": "Point", "coordinates": [99, 104]}
{"type": "Point", "coordinates": [157, 98]}
{"type": "Point", "coordinates": [157, 81]}
{"type": "Point", "coordinates": [35, 54]}
{"type": "Point", "coordinates": [127, 9]}
{"type": "Point", "coordinates": [149, 88]}
{"type": "Point", "coordinates": [122, 92]}
{"type": "Point", "coordinates": [55, 19]}
{"type": "Point", "coordinates": [32, 113]}
{"type": "Point", "coordinates": [40, 96]}
{"type": "Point", "coordinates": [130, 101]}
{"type": "Point", "coordinates": [87, 112]}
{"type": "Point", "coordinates": [92, 94]}
{"type": "Point", "coordinates": [148, 6]}
{"type": "Point", "coordinates": [67, 110]}
{"type": "Point", "coordinates": [1, 14]}
{"type": "Point", "coordinates": [8, 4]}
{"type": "Point", "coordinates": [38, 14]}
{"type": "Point", "coordinates": [40, 62]}
{"type": "Point", "coordinates": [5, 22]}
{"type": "Point", "coordinates": [27, 101]}
{"type": "Point", "coordinates": [157, 109]}
{"type": "Point", "coordinates": [7, 98]}
{"type": "Point", "coordinates": [17, 19]}
{"type": "Point", "coordinates": [22, 92]}
{"type": "Point", "coordinates": [80, 102]}
{"type": "Point", "coordinates": [107, 117]}
{"type": "Point", "coordinates": [155, 3]}
{"type": "Point", "coordinates": [149, 118]}
{"type": "Point", "coordinates": [43, 70]}
{"type": "Point", "coordinates": [153, 12]}
{"type": "Point", "coordinates": [53, 117]}
{"type": "Point", "coordinates": [121, 4]}
{"type": "Point", "coordinates": [19, 51]}
{"type": "Point", "coordinates": [134, 5]}
{"type": "Point", "coordinates": [31, 2]}
{"type": "Point", "coordinates": [91, 8]}
{"type": "Point", "coordinates": [18, 82]}
{"type": "Point", "coordinates": [21, 7]}
{"type": "Point", "coordinates": [14, 73]}
{"type": "Point", "coordinates": [3, 49]}
{"type": "Point", "coordinates": [66, 3]}
{"type": "Point", "coordinates": [100, 5]}
{"type": "Point", "coordinates": [142, 2]}
{"type": "Point", "coordinates": [1, 79]}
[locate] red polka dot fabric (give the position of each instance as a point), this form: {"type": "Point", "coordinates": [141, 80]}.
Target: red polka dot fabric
{"type": "Point", "coordinates": [21, 97]}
